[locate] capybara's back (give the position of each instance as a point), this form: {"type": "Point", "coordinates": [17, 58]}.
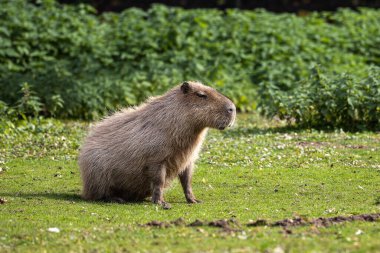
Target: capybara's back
{"type": "Point", "coordinates": [137, 152]}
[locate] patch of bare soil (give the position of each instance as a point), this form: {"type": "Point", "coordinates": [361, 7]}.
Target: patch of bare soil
{"type": "Point", "coordinates": [232, 225]}
{"type": "Point", "coordinates": [197, 223]}
{"type": "Point", "coordinates": [298, 221]}
{"type": "Point", "coordinates": [165, 224]}
{"type": "Point", "coordinates": [319, 222]}
{"type": "Point", "coordinates": [159, 224]}
{"type": "Point", "coordinates": [334, 220]}
{"type": "Point", "coordinates": [258, 223]}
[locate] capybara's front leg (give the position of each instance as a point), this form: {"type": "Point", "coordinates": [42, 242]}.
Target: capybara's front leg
{"type": "Point", "coordinates": [186, 177]}
{"type": "Point", "coordinates": [158, 182]}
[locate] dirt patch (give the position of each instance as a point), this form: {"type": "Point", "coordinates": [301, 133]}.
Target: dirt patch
{"type": "Point", "coordinates": [197, 223]}
{"type": "Point", "coordinates": [319, 222]}
{"type": "Point", "coordinates": [159, 224]}
{"type": "Point", "coordinates": [232, 225]}
{"type": "Point", "coordinates": [298, 221]}
{"type": "Point", "coordinates": [165, 224]}
{"type": "Point", "coordinates": [339, 219]}
{"type": "Point", "coordinates": [258, 223]}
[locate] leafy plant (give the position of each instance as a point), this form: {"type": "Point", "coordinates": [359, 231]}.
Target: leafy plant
{"type": "Point", "coordinates": [29, 103]}
{"type": "Point", "coordinates": [25, 113]}
{"type": "Point", "coordinates": [333, 101]}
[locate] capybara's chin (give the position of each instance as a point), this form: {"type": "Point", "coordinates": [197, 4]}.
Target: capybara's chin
{"type": "Point", "coordinates": [226, 121]}
{"type": "Point", "coordinates": [137, 152]}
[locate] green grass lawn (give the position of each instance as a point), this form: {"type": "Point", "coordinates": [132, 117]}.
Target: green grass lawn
{"type": "Point", "coordinates": [256, 170]}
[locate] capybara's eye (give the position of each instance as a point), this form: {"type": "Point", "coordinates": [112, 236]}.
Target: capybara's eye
{"type": "Point", "coordinates": [201, 94]}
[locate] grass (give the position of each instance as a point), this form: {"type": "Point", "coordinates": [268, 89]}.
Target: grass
{"type": "Point", "coordinates": [257, 170]}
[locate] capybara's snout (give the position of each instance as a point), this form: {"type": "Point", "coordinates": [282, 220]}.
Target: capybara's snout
{"type": "Point", "coordinates": [229, 116]}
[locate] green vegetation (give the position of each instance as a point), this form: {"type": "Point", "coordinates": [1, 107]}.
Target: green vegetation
{"type": "Point", "coordinates": [251, 171]}
{"type": "Point", "coordinates": [81, 65]}
{"type": "Point", "coordinates": [331, 101]}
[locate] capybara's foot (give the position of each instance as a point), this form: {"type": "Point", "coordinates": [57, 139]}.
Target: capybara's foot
{"type": "Point", "coordinates": [193, 201]}
{"type": "Point", "coordinates": [162, 203]}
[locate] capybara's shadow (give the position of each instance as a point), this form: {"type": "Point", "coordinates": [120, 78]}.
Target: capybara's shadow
{"type": "Point", "coordinates": [72, 197]}
{"type": "Point", "coordinates": [44, 195]}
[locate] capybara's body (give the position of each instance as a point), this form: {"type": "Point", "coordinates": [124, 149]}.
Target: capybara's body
{"type": "Point", "coordinates": [137, 152]}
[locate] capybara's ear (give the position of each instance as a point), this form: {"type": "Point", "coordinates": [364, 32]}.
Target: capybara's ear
{"type": "Point", "coordinates": [185, 87]}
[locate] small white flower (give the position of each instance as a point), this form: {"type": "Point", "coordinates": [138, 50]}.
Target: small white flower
{"type": "Point", "coordinates": [54, 230]}
{"type": "Point", "coordinates": [359, 232]}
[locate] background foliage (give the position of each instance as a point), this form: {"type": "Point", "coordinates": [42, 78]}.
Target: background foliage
{"type": "Point", "coordinates": [332, 101]}
{"type": "Point", "coordinates": [79, 64]}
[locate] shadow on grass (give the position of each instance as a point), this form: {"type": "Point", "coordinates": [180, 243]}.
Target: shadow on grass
{"type": "Point", "coordinates": [44, 195]}
{"type": "Point", "coordinates": [72, 197]}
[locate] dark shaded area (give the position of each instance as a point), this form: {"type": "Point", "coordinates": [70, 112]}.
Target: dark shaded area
{"type": "Point", "coordinates": [59, 196]}
{"type": "Point", "coordinates": [271, 5]}
{"type": "Point", "coordinates": [72, 197]}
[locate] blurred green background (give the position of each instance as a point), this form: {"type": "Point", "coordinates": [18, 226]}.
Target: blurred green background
{"type": "Point", "coordinates": [70, 61]}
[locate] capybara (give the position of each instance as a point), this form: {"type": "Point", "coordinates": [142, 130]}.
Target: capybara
{"type": "Point", "coordinates": [137, 152]}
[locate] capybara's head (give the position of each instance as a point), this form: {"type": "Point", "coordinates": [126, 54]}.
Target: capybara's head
{"type": "Point", "coordinates": [206, 106]}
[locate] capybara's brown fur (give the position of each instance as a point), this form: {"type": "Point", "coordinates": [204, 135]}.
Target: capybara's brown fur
{"type": "Point", "coordinates": [137, 152]}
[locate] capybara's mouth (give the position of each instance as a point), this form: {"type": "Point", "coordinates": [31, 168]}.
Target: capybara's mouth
{"type": "Point", "coordinates": [224, 125]}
